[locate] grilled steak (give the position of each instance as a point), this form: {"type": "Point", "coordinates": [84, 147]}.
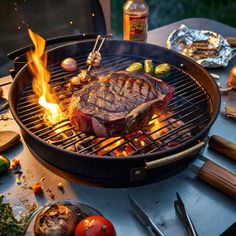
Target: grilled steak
{"type": "Point", "coordinates": [117, 104]}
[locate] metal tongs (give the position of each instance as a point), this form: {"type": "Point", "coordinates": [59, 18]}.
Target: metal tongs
{"type": "Point", "coordinates": [182, 214]}
{"type": "Point", "coordinates": [154, 229]}
{"type": "Point", "coordinates": [144, 218]}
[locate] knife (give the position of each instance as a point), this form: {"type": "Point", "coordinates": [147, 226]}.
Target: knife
{"type": "Point", "coordinates": [215, 175]}
{"type": "Point", "coordinates": [144, 218]}
{"type": "Point", "coordinates": [223, 146]}
{"type": "Point", "coordinates": [182, 214]}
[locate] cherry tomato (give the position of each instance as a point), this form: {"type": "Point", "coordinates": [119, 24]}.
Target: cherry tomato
{"type": "Point", "coordinates": [37, 188]}
{"type": "Point", "coordinates": [95, 226]}
{"type": "Point", "coordinates": [15, 163]}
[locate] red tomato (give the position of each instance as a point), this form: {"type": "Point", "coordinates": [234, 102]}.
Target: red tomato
{"type": "Point", "coordinates": [95, 226]}
{"type": "Point", "coordinates": [37, 188]}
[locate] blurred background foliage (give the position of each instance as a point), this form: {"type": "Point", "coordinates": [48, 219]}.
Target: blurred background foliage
{"type": "Point", "coordinates": [162, 12]}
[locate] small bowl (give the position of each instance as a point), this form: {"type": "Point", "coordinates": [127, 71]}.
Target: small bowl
{"type": "Point", "coordinates": [29, 230]}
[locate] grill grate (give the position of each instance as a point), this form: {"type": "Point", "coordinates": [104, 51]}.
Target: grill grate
{"type": "Point", "coordinates": [185, 116]}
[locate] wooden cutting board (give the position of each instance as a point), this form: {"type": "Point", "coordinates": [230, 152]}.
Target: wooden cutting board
{"type": "Point", "coordinates": [8, 139]}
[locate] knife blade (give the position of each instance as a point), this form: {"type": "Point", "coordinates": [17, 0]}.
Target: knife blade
{"type": "Point", "coordinates": [144, 218]}
{"type": "Point", "coordinates": [223, 146]}
{"type": "Point", "coordinates": [215, 175]}
{"type": "Point", "coordinates": [184, 217]}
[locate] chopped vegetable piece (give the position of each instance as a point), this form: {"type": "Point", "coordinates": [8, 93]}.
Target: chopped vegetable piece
{"type": "Point", "coordinates": [136, 66]}
{"type": "Point", "coordinates": [148, 66]}
{"type": "Point", "coordinates": [4, 164]}
{"type": "Point", "coordinates": [60, 186]}
{"type": "Point", "coordinates": [42, 179]}
{"type": "Point", "coordinates": [37, 188]}
{"type": "Point", "coordinates": [18, 176]}
{"type": "Point", "coordinates": [162, 71]}
{"type": "Point", "coordinates": [13, 166]}
{"type": "Point", "coordinates": [16, 161]}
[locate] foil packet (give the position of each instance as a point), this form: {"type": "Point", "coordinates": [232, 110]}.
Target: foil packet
{"type": "Point", "coordinates": [207, 48]}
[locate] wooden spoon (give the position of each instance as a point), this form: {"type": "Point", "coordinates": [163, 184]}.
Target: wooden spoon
{"type": "Point", "coordinates": [8, 139]}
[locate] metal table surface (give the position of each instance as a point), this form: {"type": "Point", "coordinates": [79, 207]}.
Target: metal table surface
{"type": "Point", "coordinates": [211, 211]}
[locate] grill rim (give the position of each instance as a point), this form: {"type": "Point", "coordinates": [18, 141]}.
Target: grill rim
{"type": "Point", "coordinates": [146, 156]}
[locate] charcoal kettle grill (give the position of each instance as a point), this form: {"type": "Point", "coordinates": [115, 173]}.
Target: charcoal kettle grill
{"type": "Point", "coordinates": [120, 161]}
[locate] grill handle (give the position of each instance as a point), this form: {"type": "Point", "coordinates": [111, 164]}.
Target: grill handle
{"type": "Point", "coordinates": [52, 41]}
{"type": "Point", "coordinates": [218, 177]}
{"type": "Point", "coordinates": [175, 157]}
{"type": "Point", "coordinates": [139, 174]}
{"type": "Point", "coordinates": [223, 146]}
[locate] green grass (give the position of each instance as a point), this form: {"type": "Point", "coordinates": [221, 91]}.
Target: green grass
{"type": "Point", "coordinates": [165, 12]}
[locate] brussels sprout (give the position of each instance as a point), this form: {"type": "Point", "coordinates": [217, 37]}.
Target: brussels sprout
{"type": "Point", "coordinates": [163, 71]}
{"type": "Point", "coordinates": [136, 66]}
{"type": "Point", "coordinates": [148, 67]}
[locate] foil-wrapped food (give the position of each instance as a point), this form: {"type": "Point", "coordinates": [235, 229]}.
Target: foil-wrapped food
{"type": "Point", "coordinates": [207, 48]}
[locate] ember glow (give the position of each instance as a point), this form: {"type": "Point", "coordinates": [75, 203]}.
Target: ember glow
{"type": "Point", "coordinates": [156, 128]}
{"type": "Point", "coordinates": [38, 62]}
{"type": "Point", "coordinates": [111, 144]}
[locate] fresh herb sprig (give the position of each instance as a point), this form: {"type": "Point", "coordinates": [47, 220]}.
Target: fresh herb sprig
{"type": "Point", "coordinates": [9, 225]}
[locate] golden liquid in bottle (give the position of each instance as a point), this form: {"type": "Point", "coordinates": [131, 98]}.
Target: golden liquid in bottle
{"type": "Point", "coordinates": [135, 22]}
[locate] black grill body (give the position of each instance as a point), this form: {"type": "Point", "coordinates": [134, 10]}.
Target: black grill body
{"type": "Point", "coordinates": [196, 104]}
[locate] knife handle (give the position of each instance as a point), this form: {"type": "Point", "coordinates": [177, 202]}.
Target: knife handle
{"type": "Point", "coordinates": [218, 177]}
{"type": "Point", "coordinates": [231, 41]}
{"type": "Point", "coordinates": [223, 146]}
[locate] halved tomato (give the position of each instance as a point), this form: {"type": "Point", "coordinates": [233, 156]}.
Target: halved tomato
{"type": "Point", "coordinates": [95, 226]}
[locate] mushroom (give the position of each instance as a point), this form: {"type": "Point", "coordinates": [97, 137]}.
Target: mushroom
{"type": "Point", "coordinates": [69, 64]}
{"type": "Point", "coordinates": [94, 58]}
{"type": "Point", "coordinates": [84, 75]}
{"type": "Point", "coordinates": [75, 80]}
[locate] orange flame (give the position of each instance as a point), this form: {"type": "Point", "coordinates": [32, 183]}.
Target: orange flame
{"type": "Point", "coordinates": [38, 62]}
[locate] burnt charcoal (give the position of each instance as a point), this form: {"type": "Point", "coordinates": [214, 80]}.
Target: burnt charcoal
{"type": "Point", "coordinates": [118, 104]}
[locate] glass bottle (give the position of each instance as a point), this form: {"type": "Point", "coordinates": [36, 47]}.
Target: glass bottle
{"type": "Point", "coordinates": [135, 20]}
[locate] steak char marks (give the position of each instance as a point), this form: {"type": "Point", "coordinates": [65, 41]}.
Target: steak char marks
{"type": "Point", "coordinates": [118, 104]}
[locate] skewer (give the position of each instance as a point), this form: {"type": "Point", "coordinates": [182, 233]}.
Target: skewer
{"type": "Point", "coordinates": [99, 48]}
{"type": "Point", "coordinates": [103, 40]}
{"type": "Point", "coordinates": [94, 47]}
{"type": "Point", "coordinates": [84, 75]}
{"type": "Point", "coordinates": [89, 68]}
{"type": "Point", "coordinates": [96, 42]}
